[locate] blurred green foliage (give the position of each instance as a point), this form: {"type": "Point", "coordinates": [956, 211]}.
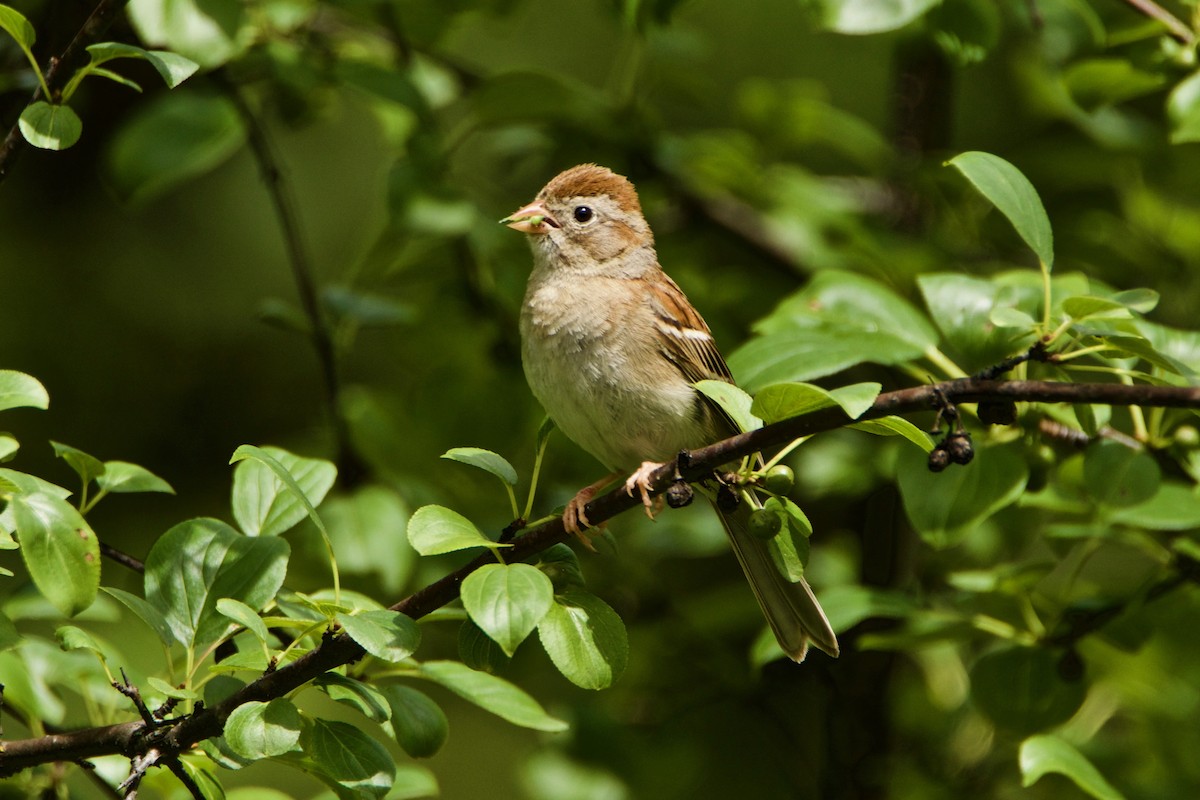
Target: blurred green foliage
{"type": "Point", "coordinates": [1029, 615]}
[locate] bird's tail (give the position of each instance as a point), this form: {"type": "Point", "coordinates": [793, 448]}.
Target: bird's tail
{"type": "Point", "coordinates": [791, 609]}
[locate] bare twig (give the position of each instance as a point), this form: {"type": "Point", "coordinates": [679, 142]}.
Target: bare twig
{"type": "Point", "coordinates": [270, 167]}
{"type": "Point", "coordinates": [1174, 25]}
{"type": "Point", "coordinates": [121, 557]}
{"type": "Point", "coordinates": [59, 72]}
{"type": "Point", "coordinates": [172, 738]}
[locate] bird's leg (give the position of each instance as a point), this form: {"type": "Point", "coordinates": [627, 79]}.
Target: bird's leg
{"type": "Point", "coordinates": [575, 518]}
{"type": "Point", "coordinates": [640, 480]}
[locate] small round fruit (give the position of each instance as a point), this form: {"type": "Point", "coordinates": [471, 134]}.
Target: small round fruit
{"type": "Point", "coordinates": [779, 479]}
{"type": "Point", "coordinates": [765, 524]}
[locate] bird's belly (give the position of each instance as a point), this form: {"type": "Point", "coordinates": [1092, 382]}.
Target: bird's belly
{"type": "Point", "coordinates": [594, 394]}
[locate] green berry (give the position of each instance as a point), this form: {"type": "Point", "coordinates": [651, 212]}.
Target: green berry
{"type": "Point", "coordinates": [779, 479]}
{"type": "Point", "coordinates": [765, 524]}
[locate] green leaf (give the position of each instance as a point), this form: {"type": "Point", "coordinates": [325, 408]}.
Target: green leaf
{"type": "Point", "coordinates": [274, 489]}
{"type": "Point", "coordinates": [167, 690]}
{"type": "Point", "coordinates": [208, 31]}
{"type": "Point", "coordinates": [72, 638]}
{"type": "Point", "coordinates": [20, 390]}
{"type": "Point", "coordinates": [122, 477]}
{"type": "Point", "coordinates": [790, 548]}
{"type": "Point", "coordinates": [101, 72]}
{"type": "Point", "coordinates": [262, 730]}
{"type": "Point", "coordinates": [366, 699]}
{"type": "Point", "coordinates": [364, 309]}
{"type": "Point", "coordinates": [201, 772]}
{"type": "Point", "coordinates": [479, 651]}
{"type": "Point", "coordinates": [370, 521]}
{"type": "Point", "coordinates": [243, 615]}
{"type": "Point", "coordinates": [433, 530]}
{"type": "Point", "coordinates": [561, 565]}
{"type": "Point", "coordinates": [733, 401]}
{"type": "Point", "coordinates": [418, 724]}
{"type": "Point", "coordinates": [388, 635]}
{"type": "Point", "coordinates": [173, 68]}
{"type": "Point", "coordinates": [413, 782]}
{"type": "Point", "coordinates": [1183, 110]}
{"type": "Point", "coordinates": [945, 506]}
{"type": "Point", "coordinates": [964, 308]}
{"type": "Point", "coordinates": [170, 140]}
{"type": "Point", "coordinates": [8, 448]}
{"type": "Point", "coordinates": [1086, 306]}
{"type": "Point", "coordinates": [837, 321]}
{"type": "Point", "coordinates": [485, 460]}
{"type": "Point", "coordinates": [491, 694]}
{"type": "Point", "coordinates": [59, 548]}
{"type": "Point", "coordinates": [87, 467]}
{"type": "Point", "coordinates": [1117, 475]}
{"type": "Point", "coordinates": [50, 126]}
{"type": "Point", "coordinates": [507, 601]}
{"type": "Point", "coordinates": [786, 400]}
{"type": "Point", "coordinates": [1172, 508]}
{"type": "Point", "coordinates": [585, 639]}
{"type": "Point", "coordinates": [148, 613]}
{"type": "Point", "coordinates": [1097, 82]}
{"type": "Point", "coordinates": [1012, 193]}
{"type": "Point", "coordinates": [10, 637]}
{"type": "Point", "coordinates": [861, 17]}
{"type": "Point", "coordinates": [1020, 689]}
{"type": "Point", "coordinates": [1044, 754]}
{"type": "Point", "coordinates": [896, 426]}
{"type": "Point", "coordinates": [848, 605]}
{"type": "Point", "coordinates": [351, 762]}
{"type": "Point", "coordinates": [16, 25]}
{"type": "Point", "coordinates": [200, 561]}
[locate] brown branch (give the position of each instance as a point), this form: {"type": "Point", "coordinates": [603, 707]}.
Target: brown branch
{"type": "Point", "coordinates": [172, 738]}
{"type": "Point", "coordinates": [1175, 26]}
{"type": "Point", "coordinates": [122, 558]}
{"type": "Point", "coordinates": [59, 72]}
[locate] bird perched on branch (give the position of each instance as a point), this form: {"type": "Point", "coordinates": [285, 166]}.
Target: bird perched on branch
{"type": "Point", "coordinates": [612, 349]}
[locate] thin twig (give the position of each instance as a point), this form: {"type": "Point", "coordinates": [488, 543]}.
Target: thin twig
{"type": "Point", "coordinates": [1175, 26]}
{"type": "Point", "coordinates": [270, 166]}
{"type": "Point", "coordinates": [174, 737]}
{"type": "Point", "coordinates": [122, 558]}
{"type": "Point", "coordinates": [59, 72]}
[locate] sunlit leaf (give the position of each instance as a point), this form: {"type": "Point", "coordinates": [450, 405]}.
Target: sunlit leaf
{"type": "Point", "coordinates": [434, 529]}
{"type": "Point", "coordinates": [507, 601]}
{"type": "Point", "coordinates": [733, 401]}
{"type": "Point", "coordinates": [1012, 193]}
{"type": "Point", "coordinates": [200, 561]}
{"type": "Point", "coordinates": [59, 549]}
{"type": "Point", "coordinates": [18, 389]}
{"type": "Point", "coordinates": [388, 635]}
{"type": "Point", "coordinates": [50, 126]}
{"type": "Point", "coordinates": [492, 694]}
{"type": "Point", "coordinates": [262, 730]}
{"type": "Point", "coordinates": [273, 489]}
{"type": "Point", "coordinates": [485, 460]}
{"type": "Point", "coordinates": [1044, 754]}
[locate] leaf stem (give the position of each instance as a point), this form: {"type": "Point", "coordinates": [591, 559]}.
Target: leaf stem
{"type": "Point", "coordinates": [944, 363]}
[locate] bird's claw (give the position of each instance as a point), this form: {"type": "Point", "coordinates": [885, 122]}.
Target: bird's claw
{"type": "Point", "coordinates": [640, 480]}
{"type": "Point", "coordinates": [575, 518]}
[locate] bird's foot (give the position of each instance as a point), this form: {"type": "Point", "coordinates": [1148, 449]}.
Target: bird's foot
{"type": "Point", "coordinates": [640, 480]}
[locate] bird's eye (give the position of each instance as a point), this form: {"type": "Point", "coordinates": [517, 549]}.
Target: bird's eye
{"type": "Point", "coordinates": [583, 214]}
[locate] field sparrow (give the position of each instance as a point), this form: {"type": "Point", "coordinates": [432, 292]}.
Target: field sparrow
{"type": "Point", "coordinates": [612, 348]}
